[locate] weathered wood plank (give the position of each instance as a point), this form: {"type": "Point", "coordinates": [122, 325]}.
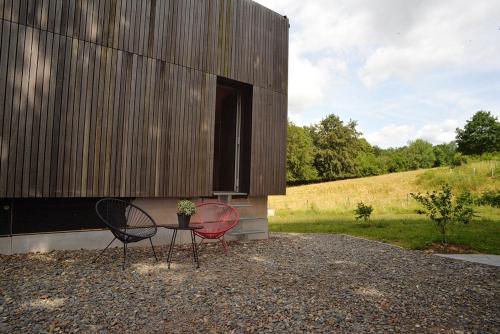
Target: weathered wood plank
{"type": "Point", "coordinates": [211, 127]}
{"type": "Point", "coordinates": [16, 62]}
{"type": "Point", "coordinates": [106, 127]}
{"type": "Point", "coordinates": [117, 70]}
{"type": "Point", "coordinates": [118, 130]}
{"type": "Point", "coordinates": [110, 92]}
{"type": "Point", "coordinates": [120, 177]}
{"type": "Point", "coordinates": [102, 109]}
{"type": "Point", "coordinates": [87, 94]}
{"type": "Point", "coordinates": [4, 45]}
{"type": "Point", "coordinates": [7, 72]}
{"type": "Point", "coordinates": [154, 126]}
{"type": "Point", "coordinates": [50, 76]}
{"type": "Point", "coordinates": [170, 82]}
{"type": "Point", "coordinates": [75, 121]}
{"type": "Point", "coordinates": [176, 124]}
{"type": "Point", "coordinates": [44, 125]}
{"type": "Point", "coordinates": [140, 115]}
{"type": "Point", "coordinates": [56, 105]}
{"type": "Point", "coordinates": [26, 113]}
{"type": "Point", "coordinates": [148, 129]}
{"type": "Point", "coordinates": [189, 127]}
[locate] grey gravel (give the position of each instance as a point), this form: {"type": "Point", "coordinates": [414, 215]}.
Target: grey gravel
{"type": "Point", "coordinates": [289, 283]}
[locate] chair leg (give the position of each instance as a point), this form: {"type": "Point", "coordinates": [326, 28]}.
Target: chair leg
{"type": "Point", "coordinates": [93, 261]}
{"type": "Point", "coordinates": [151, 242]}
{"type": "Point", "coordinates": [224, 245]}
{"type": "Point", "coordinates": [124, 255]}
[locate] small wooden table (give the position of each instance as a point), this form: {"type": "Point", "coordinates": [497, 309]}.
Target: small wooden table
{"type": "Point", "coordinates": [176, 228]}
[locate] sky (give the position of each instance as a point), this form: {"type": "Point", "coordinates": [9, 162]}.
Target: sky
{"type": "Point", "coordinates": [403, 69]}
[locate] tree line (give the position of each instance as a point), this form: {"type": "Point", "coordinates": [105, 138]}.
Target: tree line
{"type": "Point", "coordinates": [333, 149]}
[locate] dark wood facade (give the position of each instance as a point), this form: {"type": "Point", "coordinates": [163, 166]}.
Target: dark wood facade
{"type": "Point", "coordinates": [116, 97]}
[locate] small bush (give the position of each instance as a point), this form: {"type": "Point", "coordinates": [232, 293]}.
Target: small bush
{"type": "Point", "coordinates": [443, 209]}
{"type": "Point", "coordinates": [186, 207]}
{"type": "Point", "coordinates": [363, 212]}
{"type": "Point", "coordinates": [458, 160]}
{"type": "Point", "coordinates": [491, 198]}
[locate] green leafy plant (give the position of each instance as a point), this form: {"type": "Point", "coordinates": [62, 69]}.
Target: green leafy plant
{"type": "Point", "coordinates": [186, 207]}
{"type": "Point", "coordinates": [458, 160]}
{"type": "Point", "coordinates": [363, 212]}
{"type": "Point", "coordinates": [443, 209]}
{"type": "Point", "coordinates": [480, 134]}
{"type": "Point", "coordinates": [491, 198]}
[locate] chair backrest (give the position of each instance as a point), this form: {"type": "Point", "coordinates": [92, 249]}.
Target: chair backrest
{"type": "Point", "coordinates": [216, 218]}
{"type": "Point", "coordinates": [124, 218]}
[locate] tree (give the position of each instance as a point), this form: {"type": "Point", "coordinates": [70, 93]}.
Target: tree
{"type": "Point", "coordinates": [368, 164]}
{"type": "Point", "coordinates": [420, 154]}
{"type": "Point", "coordinates": [444, 154]}
{"type": "Point", "coordinates": [480, 134]}
{"type": "Point", "coordinates": [443, 209]}
{"type": "Point", "coordinates": [299, 154]}
{"type": "Point", "coordinates": [363, 212]}
{"type": "Point", "coordinates": [337, 147]}
{"type": "Point", "coordinates": [395, 159]}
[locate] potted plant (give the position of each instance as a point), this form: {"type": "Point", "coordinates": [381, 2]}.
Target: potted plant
{"type": "Point", "coordinates": [185, 209]}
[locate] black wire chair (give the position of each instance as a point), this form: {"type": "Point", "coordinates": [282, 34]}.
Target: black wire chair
{"type": "Point", "coordinates": [127, 222]}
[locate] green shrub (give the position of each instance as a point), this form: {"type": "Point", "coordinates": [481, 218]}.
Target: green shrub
{"type": "Point", "coordinates": [363, 212]}
{"type": "Point", "coordinates": [491, 198]}
{"type": "Point", "coordinates": [458, 160]}
{"type": "Point", "coordinates": [186, 207]}
{"type": "Point", "coordinates": [443, 209]}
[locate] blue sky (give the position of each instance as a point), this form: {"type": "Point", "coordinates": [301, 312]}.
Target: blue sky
{"type": "Point", "coordinates": [402, 69]}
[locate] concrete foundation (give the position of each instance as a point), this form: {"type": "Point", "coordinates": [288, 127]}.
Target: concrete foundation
{"type": "Point", "coordinates": [162, 210]}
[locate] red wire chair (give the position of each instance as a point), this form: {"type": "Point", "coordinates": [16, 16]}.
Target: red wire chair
{"type": "Point", "coordinates": [216, 218]}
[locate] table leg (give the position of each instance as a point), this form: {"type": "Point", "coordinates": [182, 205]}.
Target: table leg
{"type": "Point", "coordinates": [195, 249]}
{"type": "Point", "coordinates": [172, 242]}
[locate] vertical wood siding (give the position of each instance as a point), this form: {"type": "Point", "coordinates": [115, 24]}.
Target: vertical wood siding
{"type": "Point", "coordinates": [269, 133]}
{"type": "Point", "coordinates": [117, 97]}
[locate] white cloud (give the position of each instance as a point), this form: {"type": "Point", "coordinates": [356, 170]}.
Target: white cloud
{"type": "Point", "coordinates": [310, 81]}
{"type": "Point", "coordinates": [399, 135]}
{"type": "Point", "coordinates": [442, 37]}
{"type": "Point", "coordinates": [303, 97]}
{"type": "Point", "coordinates": [391, 136]}
{"type": "Point", "coordinates": [393, 62]}
{"type": "Point", "coordinates": [394, 38]}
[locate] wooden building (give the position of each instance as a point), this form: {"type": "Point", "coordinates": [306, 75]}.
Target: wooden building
{"type": "Point", "coordinates": [151, 100]}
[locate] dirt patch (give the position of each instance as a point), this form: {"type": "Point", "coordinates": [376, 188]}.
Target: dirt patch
{"type": "Point", "coordinates": [448, 249]}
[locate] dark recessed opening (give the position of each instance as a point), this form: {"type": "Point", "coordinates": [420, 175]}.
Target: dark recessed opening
{"type": "Point", "coordinates": [233, 121]}
{"type": "Point", "coordinates": [37, 215]}
{"type": "Point", "coordinates": [5, 215]}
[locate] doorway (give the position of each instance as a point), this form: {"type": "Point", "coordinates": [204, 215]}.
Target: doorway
{"type": "Point", "coordinates": [232, 136]}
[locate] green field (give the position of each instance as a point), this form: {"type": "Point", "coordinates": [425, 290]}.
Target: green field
{"type": "Point", "coordinates": [329, 207]}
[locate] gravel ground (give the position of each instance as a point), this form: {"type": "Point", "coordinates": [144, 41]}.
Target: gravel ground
{"type": "Point", "coordinates": [290, 283]}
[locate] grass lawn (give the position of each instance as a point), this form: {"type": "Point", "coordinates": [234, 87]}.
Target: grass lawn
{"type": "Point", "coordinates": [329, 207]}
{"type": "Point", "coordinates": [405, 230]}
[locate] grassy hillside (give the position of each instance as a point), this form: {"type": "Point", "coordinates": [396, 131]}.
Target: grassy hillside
{"type": "Point", "coordinates": [328, 207]}
{"type": "Point", "coordinates": [387, 193]}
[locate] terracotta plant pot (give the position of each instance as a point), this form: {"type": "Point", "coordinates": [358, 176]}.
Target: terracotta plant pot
{"type": "Point", "coordinates": [183, 220]}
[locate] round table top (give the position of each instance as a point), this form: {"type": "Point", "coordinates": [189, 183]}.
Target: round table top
{"type": "Point", "coordinates": [177, 227]}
